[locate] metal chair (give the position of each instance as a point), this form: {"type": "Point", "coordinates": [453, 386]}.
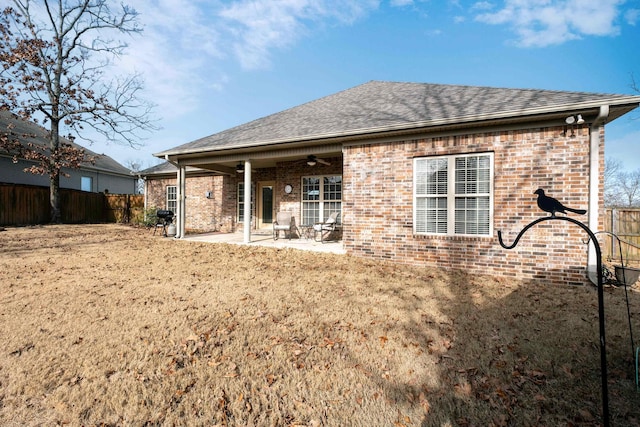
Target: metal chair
{"type": "Point", "coordinates": [325, 229]}
{"type": "Point", "coordinates": [284, 222]}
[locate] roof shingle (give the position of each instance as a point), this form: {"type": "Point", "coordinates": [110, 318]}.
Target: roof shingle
{"type": "Point", "coordinates": [379, 105]}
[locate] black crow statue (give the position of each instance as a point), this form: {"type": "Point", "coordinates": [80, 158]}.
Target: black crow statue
{"type": "Point", "coordinates": [549, 204]}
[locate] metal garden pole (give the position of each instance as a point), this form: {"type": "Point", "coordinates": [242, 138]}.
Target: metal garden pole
{"type": "Point", "coordinates": [603, 351]}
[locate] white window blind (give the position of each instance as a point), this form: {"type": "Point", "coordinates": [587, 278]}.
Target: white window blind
{"type": "Point", "coordinates": [453, 194]}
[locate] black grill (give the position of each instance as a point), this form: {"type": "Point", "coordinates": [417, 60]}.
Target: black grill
{"type": "Point", "coordinates": [165, 215]}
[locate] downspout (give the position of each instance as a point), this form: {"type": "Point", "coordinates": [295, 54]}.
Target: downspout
{"type": "Point", "coordinates": [594, 186]}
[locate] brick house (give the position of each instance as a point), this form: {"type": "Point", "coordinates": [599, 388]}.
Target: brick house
{"type": "Point", "coordinates": [422, 174]}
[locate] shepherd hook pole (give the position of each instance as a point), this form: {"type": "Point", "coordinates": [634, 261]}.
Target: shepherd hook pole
{"type": "Point", "coordinates": [603, 351]}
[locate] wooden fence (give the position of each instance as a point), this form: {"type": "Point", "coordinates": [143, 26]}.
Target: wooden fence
{"type": "Point", "coordinates": [29, 205]}
{"type": "Point", "coordinates": [624, 223]}
{"type": "Point", "coordinates": [124, 208]}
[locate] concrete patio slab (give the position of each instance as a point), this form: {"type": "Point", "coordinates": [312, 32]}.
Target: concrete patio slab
{"type": "Point", "coordinates": [265, 238]}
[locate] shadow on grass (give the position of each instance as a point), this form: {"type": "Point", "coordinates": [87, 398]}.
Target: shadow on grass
{"type": "Point", "coordinates": [527, 357]}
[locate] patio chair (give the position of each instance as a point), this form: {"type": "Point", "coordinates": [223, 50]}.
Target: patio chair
{"type": "Point", "coordinates": [284, 222]}
{"type": "Point", "coordinates": [325, 229]}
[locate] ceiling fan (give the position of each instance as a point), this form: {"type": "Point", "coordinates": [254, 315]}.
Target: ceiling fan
{"type": "Point", "coordinates": [312, 160]}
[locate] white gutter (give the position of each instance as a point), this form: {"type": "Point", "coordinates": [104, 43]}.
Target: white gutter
{"type": "Point", "coordinates": [594, 186]}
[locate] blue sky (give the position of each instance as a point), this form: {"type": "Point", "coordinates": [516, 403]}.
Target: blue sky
{"type": "Point", "coordinates": [211, 65]}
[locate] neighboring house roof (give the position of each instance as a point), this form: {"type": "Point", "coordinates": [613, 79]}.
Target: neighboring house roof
{"type": "Point", "coordinates": [167, 169]}
{"type": "Point", "coordinates": [102, 162]}
{"type": "Point", "coordinates": [380, 107]}
{"type": "Point", "coordinates": [160, 169]}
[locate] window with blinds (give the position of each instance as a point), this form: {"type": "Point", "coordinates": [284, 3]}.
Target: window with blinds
{"type": "Point", "coordinates": [321, 196]}
{"type": "Point", "coordinates": [453, 195]}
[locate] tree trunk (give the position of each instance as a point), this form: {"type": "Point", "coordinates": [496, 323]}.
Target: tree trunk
{"type": "Point", "coordinates": [54, 198]}
{"type": "Point", "coordinates": [54, 171]}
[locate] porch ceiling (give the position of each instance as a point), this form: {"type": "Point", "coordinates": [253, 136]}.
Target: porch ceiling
{"type": "Point", "coordinates": [226, 163]}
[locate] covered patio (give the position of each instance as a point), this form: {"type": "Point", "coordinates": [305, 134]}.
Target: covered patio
{"type": "Point", "coordinates": [264, 238]}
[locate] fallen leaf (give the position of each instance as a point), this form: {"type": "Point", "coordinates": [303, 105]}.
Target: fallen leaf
{"type": "Point", "coordinates": [424, 403]}
{"type": "Point", "coordinates": [383, 341]}
{"type": "Point", "coordinates": [270, 379]}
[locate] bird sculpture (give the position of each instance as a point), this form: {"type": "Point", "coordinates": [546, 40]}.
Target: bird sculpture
{"type": "Point", "coordinates": [549, 204]}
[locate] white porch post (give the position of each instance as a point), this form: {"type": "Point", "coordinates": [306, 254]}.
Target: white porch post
{"type": "Point", "coordinates": [181, 214]}
{"type": "Point", "coordinates": [247, 201]}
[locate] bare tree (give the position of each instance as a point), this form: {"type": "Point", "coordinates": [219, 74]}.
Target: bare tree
{"type": "Point", "coordinates": [629, 184]}
{"type": "Point", "coordinates": [55, 54]}
{"type": "Point", "coordinates": [136, 166]}
{"type": "Point", "coordinates": [612, 195]}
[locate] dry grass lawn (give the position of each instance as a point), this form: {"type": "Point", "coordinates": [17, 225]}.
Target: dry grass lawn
{"type": "Point", "coordinates": [109, 325]}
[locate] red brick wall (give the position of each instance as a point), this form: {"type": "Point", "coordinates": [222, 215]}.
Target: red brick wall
{"type": "Point", "coordinates": [378, 207]}
{"type": "Point", "coordinates": [217, 213]}
{"type": "Point", "coordinates": [292, 173]}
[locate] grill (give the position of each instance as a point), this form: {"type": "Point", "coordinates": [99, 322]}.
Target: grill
{"type": "Point", "coordinates": [165, 217]}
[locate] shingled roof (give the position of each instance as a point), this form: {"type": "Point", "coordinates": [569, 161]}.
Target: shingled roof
{"type": "Point", "coordinates": [377, 107]}
{"type": "Point", "coordinates": [20, 128]}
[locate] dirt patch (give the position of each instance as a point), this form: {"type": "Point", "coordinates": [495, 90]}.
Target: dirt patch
{"type": "Point", "coordinates": [110, 325]}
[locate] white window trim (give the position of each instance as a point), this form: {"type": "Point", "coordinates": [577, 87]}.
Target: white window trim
{"type": "Point", "coordinates": [167, 199]}
{"type": "Point", "coordinates": [451, 196]}
{"type": "Point", "coordinates": [321, 201]}
{"type": "Point", "coordinates": [240, 201]}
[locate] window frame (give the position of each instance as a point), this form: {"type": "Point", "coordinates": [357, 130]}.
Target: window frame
{"type": "Point", "coordinates": [240, 201]}
{"type": "Point", "coordinates": [322, 199]}
{"type": "Point", "coordinates": [171, 201]}
{"type": "Point", "coordinates": [451, 196]}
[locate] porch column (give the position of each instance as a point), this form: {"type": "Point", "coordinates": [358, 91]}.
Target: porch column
{"type": "Point", "coordinates": [247, 201]}
{"type": "Point", "coordinates": [181, 190]}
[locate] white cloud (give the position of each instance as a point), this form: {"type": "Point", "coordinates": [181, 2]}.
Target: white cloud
{"type": "Point", "coordinates": [482, 5]}
{"type": "Point", "coordinates": [185, 48]}
{"type": "Point", "coordinates": [631, 16]}
{"type": "Point", "coordinates": [401, 3]}
{"type": "Point", "coordinates": [176, 48]}
{"type": "Point", "coordinates": [259, 26]}
{"type": "Point", "coordinates": [539, 23]}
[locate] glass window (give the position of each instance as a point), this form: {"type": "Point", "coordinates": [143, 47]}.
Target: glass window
{"type": "Point", "coordinates": [321, 196]}
{"type": "Point", "coordinates": [86, 183]}
{"type": "Point", "coordinates": [454, 194]}
{"type": "Point", "coordinates": [172, 198]}
{"type": "Point", "coordinates": [241, 200]}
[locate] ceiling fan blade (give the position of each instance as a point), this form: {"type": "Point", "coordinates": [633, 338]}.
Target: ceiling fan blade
{"type": "Point", "coordinates": [324, 162]}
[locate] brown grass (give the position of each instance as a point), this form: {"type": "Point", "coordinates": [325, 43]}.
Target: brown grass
{"type": "Point", "coordinates": [109, 325]}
